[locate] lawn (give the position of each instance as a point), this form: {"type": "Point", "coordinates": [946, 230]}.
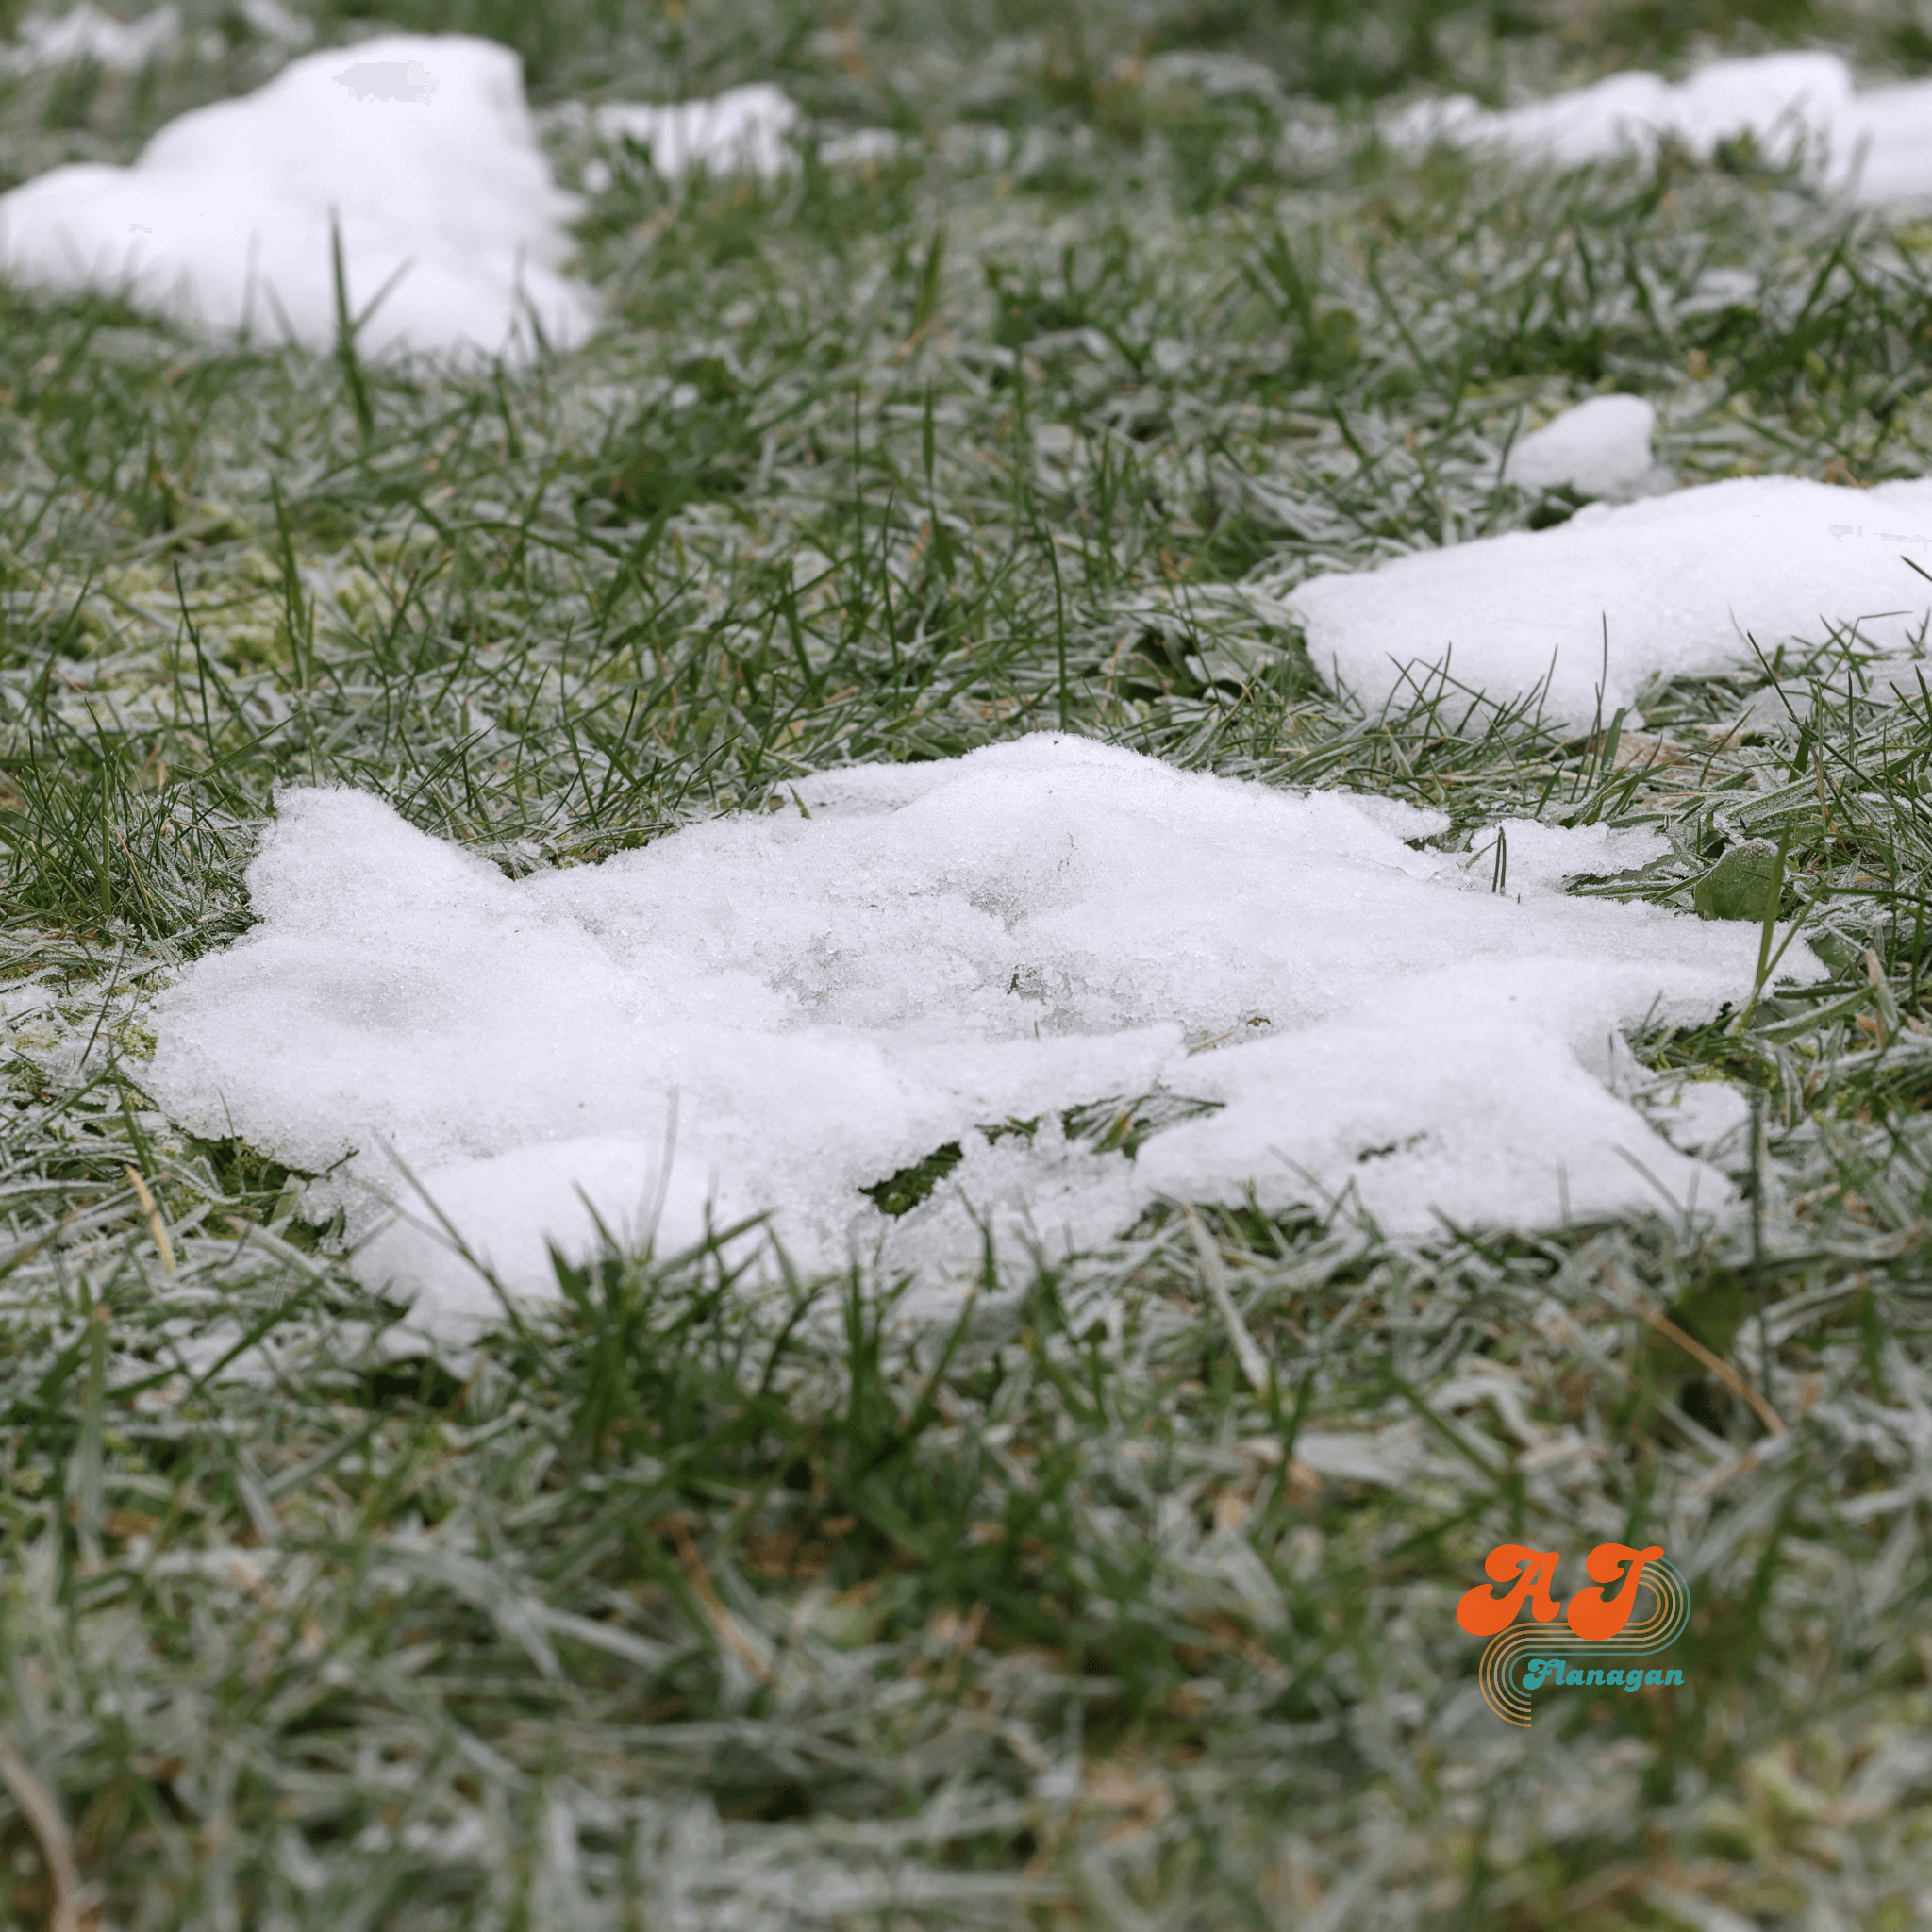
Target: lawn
{"type": "Point", "coordinates": [1123, 1593]}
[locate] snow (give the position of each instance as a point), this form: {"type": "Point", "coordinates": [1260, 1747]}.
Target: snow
{"type": "Point", "coordinates": [778, 1010]}
{"type": "Point", "coordinates": [1776, 711]}
{"type": "Point", "coordinates": [84, 32]}
{"type": "Point", "coordinates": [1906, 679]}
{"type": "Point", "coordinates": [421, 147]}
{"type": "Point", "coordinates": [1676, 585]}
{"type": "Point", "coordinates": [1893, 126]}
{"type": "Point", "coordinates": [746, 129]}
{"type": "Point", "coordinates": [1601, 448]}
{"type": "Point", "coordinates": [1876, 143]}
{"type": "Point", "coordinates": [1708, 1118]}
{"type": "Point", "coordinates": [17, 1002]}
{"type": "Point", "coordinates": [754, 129]}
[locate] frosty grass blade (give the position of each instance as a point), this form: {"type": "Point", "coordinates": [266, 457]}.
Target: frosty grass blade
{"type": "Point", "coordinates": [780, 1011]}
{"type": "Point", "coordinates": [1675, 586]}
{"type": "Point", "coordinates": [420, 147]}
{"type": "Point", "coordinates": [1876, 144]}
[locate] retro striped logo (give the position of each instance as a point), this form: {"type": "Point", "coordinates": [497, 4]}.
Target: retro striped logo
{"type": "Point", "coordinates": [1638, 1606]}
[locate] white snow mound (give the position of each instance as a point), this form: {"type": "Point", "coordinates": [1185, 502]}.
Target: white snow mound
{"type": "Point", "coordinates": [1673, 586]}
{"type": "Point", "coordinates": [1877, 143]}
{"type": "Point", "coordinates": [420, 147]}
{"type": "Point", "coordinates": [1600, 448]}
{"type": "Point", "coordinates": [825, 1000]}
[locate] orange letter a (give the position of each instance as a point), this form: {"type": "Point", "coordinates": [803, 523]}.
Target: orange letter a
{"type": "Point", "coordinates": [1482, 1613]}
{"type": "Point", "coordinates": [1593, 1615]}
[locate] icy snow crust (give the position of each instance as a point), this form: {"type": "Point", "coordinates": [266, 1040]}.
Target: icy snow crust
{"type": "Point", "coordinates": [1878, 143]}
{"type": "Point", "coordinates": [1673, 586]}
{"type": "Point", "coordinates": [823, 1001]}
{"type": "Point", "coordinates": [422, 146]}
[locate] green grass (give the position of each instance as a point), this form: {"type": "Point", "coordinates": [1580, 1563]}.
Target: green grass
{"type": "Point", "coordinates": [699, 1605]}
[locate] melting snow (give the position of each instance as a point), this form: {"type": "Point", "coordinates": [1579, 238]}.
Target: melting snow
{"type": "Point", "coordinates": [1677, 585]}
{"type": "Point", "coordinates": [1878, 142]}
{"type": "Point", "coordinates": [1600, 448]}
{"type": "Point", "coordinates": [421, 146]}
{"type": "Point", "coordinates": [781, 1011]}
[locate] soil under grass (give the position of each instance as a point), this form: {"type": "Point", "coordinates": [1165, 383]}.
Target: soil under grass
{"type": "Point", "coordinates": [1128, 1599]}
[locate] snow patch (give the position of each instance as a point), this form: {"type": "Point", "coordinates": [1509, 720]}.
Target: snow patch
{"type": "Point", "coordinates": [84, 32]}
{"type": "Point", "coordinates": [777, 1011]}
{"type": "Point", "coordinates": [1675, 586]}
{"type": "Point", "coordinates": [1600, 448]}
{"type": "Point", "coordinates": [420, 147]}
{"type": "Point", "coordinates": [1906, 681]}
{"type": "Point", "coordinates": [1875, 145]}
{"type": "Point", "coordinates": [17, 1002]}
{"type": "Point", "coordinates": [1545, 859]}
{"type": "Point", "coordinates": [745, 129]}
{"type": "Point", "coordinates": [1708, 1118]}
{"type": "Point", "coordinates": [1780, 709]}
{"type": "Point", "coordinates": [755, 129]}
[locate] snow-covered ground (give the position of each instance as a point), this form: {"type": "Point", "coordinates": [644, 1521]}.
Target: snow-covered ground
{"type": "Point", "coordinates": [454, 235]}
{"type": "Point", "coordinates": [775, 1011]}
{"type": "Point", "coordinates": [418, 149]}
{"type": "Point", "coordinates": [776, 1014]}
{"type": "Point", "coordinates": [1679, 584]}
{"type": "Point", "coordinates": [1875, 143]}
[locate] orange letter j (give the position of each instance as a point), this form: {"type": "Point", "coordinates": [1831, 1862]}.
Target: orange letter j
{"type": "Point", "coordinates": [1591, 1612]}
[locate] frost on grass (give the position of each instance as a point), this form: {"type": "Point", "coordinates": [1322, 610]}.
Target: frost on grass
{"type": "Point", "coordinates": [1001, 969]}
{"type": "Point", "coordinates": [1601, 448]}
{"type": "Point", "coordinates": [420, 149]}
{"type": "Point", "coordinates": [1877, 143]}
{"type": "Point", "coordinates": [1682, 585]}
{"type": "Point", "coordinates": [85, 33]}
